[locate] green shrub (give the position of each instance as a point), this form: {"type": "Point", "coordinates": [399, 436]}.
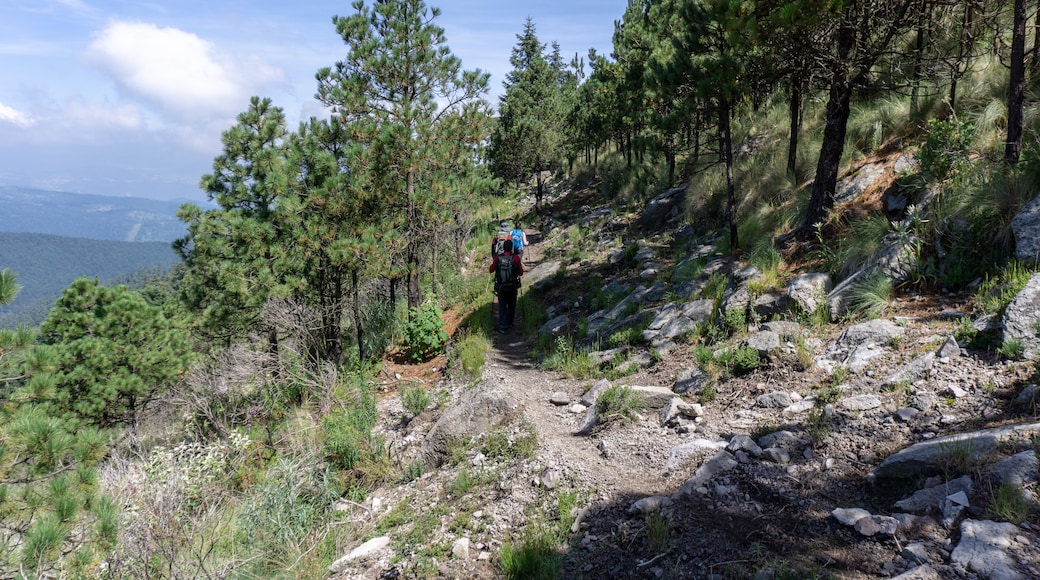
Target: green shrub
{"type": "Point", "coordinates": [657, 530]}
{"type": "Point", "coordinates": [872, 296]}
{"type": "Point", "coordinates": [534, 557]}
{"type": "Point", "coordinates": [619, 402]}
{"type": "Point", "coordinates": [470, 353]}
{"type": "Point", "coordinates": [945, 148]}
{"type": "Point", "coordinates": [1011, 503]}
{"type": "Point", "coordinates": [415, 399]}
{"type": "Point", "coordinates": [501, 445]}
{"type": "Point", "coordinates": [424, 336]}
{"type": "Point", "coordinates": [746, 359]}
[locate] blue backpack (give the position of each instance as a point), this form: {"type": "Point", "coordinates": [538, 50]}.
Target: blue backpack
{"type": "Point", "coordinates": [518, 239]}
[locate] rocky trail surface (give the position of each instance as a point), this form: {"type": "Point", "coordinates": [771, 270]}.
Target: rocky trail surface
{"type": "Point", "coordinates": [882, 448]}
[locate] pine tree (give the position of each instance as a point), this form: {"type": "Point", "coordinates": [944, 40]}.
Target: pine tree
{"type": "Point", "coordinates": [530, 136]}
{"type": "Point", "coordinates": [401, 95]}
{"type": "Point", "coordinates": [234, 255]}
{"type": "Point", "coordinates": [109, 354]}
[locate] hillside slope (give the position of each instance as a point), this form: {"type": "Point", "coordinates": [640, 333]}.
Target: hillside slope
{"type": "Point", "coordinates": [47, 264]}
{"type": "Point", "coordinates": [127, 219]}
{"type": "Point", "coordinates": [762, 470]}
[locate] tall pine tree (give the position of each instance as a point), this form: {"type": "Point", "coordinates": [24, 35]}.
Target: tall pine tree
{"type": "Point", "coordinates": [401, 94]}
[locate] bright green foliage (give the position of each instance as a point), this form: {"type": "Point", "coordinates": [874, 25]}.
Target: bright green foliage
{"type": "Point", "coordinates": [8, 286]}
{"type": "Point", "coordinates": [415, 399]}
{"type": "Point", "coordinates": [424, 336]}
{"type": "Point", "coordinates": [532, 557]}
{"type": "Point", "coordinates": [746, 359]}
{"type": "Point", "coordinates": [619, 402]}
{"type": "Point", "coordinates": [108, 354]}
{"type": "Point", "coordinates": [414, 114]}
{"type": "Point", "coordinates": [945, 148]}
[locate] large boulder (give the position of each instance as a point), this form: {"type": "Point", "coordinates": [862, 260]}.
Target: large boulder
{"type": "Point", "coordinates": [479, 410]}
{"type": "Point", "coordinates": [1022, 316]}
{"type": "Point", "coordinates": [663, 207]}
{"type": "Point", "coordinates": [1026, 228]}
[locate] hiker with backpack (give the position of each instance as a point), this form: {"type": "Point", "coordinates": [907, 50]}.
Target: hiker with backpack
{"type": "Point", "coordinates": [499, 239]}
{"type": "Point", "coordinates": [507, 270]}
{"type": "Point", "coordinates": [519, 241]}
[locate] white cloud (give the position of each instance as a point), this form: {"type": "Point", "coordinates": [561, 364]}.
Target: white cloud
{"type": "Point", "coordinates": [88, 115]}
{"type": "Point", "coordinates": [14, 116]}
{"type": "Point", "coordinates": [180, 73]}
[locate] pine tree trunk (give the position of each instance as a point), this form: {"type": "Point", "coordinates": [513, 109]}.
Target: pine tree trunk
{"type": "Point", "coordinates": [795, 126]}
{"type": "Point", "coordinates": [837, 119]}
{"type": "Point", "coordinates": [412, 252]}
{"type": "Point", "coordinates": [727, 155]}
{"type": "Point", "coordinates": [358, 324]}
{"type": "Point", "coordinates": [1016, 96]}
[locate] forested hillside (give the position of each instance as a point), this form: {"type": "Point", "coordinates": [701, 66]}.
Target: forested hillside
{"type": "Point", "coordinates": [797, 231]}
{"type": "Point", "coordinates": [47, 264]}
{"type": "Point", "coordinates": [96, 217]}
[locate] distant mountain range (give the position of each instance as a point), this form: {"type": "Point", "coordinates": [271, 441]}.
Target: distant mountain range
{"type": "Point", "coordinates": [97, 217]}
{"type": "Point", "coordinates": [50, 238]}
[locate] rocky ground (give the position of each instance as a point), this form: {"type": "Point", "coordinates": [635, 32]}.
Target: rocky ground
{"type": "Point", "coordinates": [860, 449]}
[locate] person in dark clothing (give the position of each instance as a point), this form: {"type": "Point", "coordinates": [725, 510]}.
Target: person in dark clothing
{"type": "Point", "coordinates": [507, 284]}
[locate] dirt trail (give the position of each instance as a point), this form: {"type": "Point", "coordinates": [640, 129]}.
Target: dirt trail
{"type": "Point", "coordinates": [611, 463]}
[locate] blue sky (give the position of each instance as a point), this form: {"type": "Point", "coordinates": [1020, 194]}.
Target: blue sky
{"type": "Point", "coordinates": [129, 97]}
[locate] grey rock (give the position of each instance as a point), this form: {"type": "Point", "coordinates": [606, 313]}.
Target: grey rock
{"type": "Point", "coordinates": [720, 463]}
{"type": "Point", "coordinates": [744, 443]}
{"type": "Point", "coordinates": [460, 548]}
{"type": "Point", "coordinates": [670, 411]}
{"type": "Point", "coordinates": [918, 368]}
{"type": "Point", "coordinates": [781, 439]}
{"type": "Point", "coordinates": [849, 516]}
{"type": "Point", "coordinates": [858, 182]}
{"type": "Point", "coordinates": [560, 398]}
{"type": "Point", "coordinates": [1021, 318]}
{"type": "Point", "coordinates": [860, 357]}
{"type": "Point", "coordinates": [691, 379]}
{"type": "Point", "coordinates": [924, 572]}
{"type": "Point", "coordinates": [555, 326]}
{"type": "Point", "coordinates": [953, 507]}
{"type": "Point", "coordinates": [536, 277]}
{"type": "Point", "coordinates": [923, 458]}
{"type": "Point", "coordinates": [362, 552]}
{"type": "Point", "coordinates": [1025, 226]}
{"type": "Point", "coordinates": [809, 291]}
{"type": "Point", "coordinates": [860, 403]}
{"type": "Point", "coordinates": [662, 207]}
{"type": "Point", "coordinates": [550, 478]}
{"type": "Point", "coordinates": [765, 342]}
{"type": "Point", "coordinates": [933, 498]}
{"type": "Point", "coordinates": [682, 454]}
{"type": "Point", "coordinates": [649, 504]}
{"type": "Point", "coordinates": [776, 455]}
{"type": "Point", "coordinates": [655, 397]}
{"type": "Point", "coordinates": [949, 349]}
{"type": "Point", "coordinates": [786, 329]}
{"type": "Point", "coordinates": [905, 414]}
{"type": "Point", "coordinates": [874, 525]}
{"type": "Point", "coordinates": [478, 410]}
{"type": "Point", "coordinates": [983, 549]}
{"type": "Point", "coordinates": [915, 553]}
{"type": "Point", "coordinates": [588, 398]}
{"type": "Point", "coordinates": [1029, 397]}
{"type": "Point", "coordinates": [878, 331]}
{"type": "Point", "coordinates": [800, 406]}
{"type": "Point", "coordinates": [1019, 470]}
{"type": "Point", "coordinates": [774, 400]}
